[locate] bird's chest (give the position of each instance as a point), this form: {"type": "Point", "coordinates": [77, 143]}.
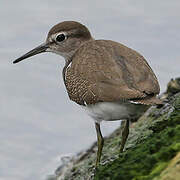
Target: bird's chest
{"type": "Point", "coordinates": [77, 88]}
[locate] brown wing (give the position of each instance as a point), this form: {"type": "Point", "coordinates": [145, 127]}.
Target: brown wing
{"type": "Point", "coordinates": [112, 72]}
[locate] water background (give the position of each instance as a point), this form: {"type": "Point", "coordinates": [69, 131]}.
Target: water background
{"type": "Point", "coordinates": [38, 123]}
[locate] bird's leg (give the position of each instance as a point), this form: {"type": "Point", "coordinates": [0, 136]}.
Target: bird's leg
{"type": "Point", "coordinates": [100, 143]}
{"type": "Point", "coordinates": [125, 133]}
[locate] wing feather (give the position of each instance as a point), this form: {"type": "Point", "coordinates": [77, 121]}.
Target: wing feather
{"type": "Point", "coordinates": [114, 72]}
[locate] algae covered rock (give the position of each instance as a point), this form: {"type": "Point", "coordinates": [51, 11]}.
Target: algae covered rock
{"type": "Point", "coordinates": [152, 151]}
{"type": "Point", "coordinates": [172, 172]}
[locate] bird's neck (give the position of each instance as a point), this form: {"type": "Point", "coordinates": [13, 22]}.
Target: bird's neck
{"type": "Point", "coordinates": [69, 56]}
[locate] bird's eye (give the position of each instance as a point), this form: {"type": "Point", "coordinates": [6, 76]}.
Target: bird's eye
{"type": "Point", "coordinates": [60, 37]}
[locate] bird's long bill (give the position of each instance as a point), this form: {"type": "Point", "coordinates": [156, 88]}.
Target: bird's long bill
{"type": "Point", "coordinates": [40, 49]}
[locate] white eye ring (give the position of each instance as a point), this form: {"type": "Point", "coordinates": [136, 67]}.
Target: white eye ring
{"type": "Point", "coordinates": [60, 37]}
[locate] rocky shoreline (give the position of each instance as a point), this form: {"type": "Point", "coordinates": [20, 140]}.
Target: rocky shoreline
{"type": "Point", "coordinates": [152, 150]}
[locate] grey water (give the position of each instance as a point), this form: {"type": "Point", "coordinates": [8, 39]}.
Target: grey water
{"type": "Point", "coordinates": [38, 123]}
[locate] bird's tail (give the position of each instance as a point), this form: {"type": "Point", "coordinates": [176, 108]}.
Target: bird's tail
{"type": "Point", "coordinates": [149, 101]}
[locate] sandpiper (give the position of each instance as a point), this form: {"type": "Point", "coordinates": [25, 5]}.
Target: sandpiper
{"type": "Point", "coordinates": [108, 79]}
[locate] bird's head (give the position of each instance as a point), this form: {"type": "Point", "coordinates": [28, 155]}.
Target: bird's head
{"type": "Point", "coordinates": [63, 39]}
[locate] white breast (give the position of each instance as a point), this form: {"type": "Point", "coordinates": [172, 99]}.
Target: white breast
{"type": "Point", "coordinates": [107, 111]}
{"type": "Point", "coordinates": [111, 111]}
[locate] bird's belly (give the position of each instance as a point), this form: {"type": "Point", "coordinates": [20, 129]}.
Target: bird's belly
{"type": "Point", "coordinates": [110, 111]}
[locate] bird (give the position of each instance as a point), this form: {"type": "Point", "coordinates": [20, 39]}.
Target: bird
{"type": "Point", "coordinates": [108, 79]}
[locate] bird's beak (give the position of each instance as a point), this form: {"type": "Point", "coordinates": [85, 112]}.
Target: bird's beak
{"type": "Point", "coordinates": [40, 49]}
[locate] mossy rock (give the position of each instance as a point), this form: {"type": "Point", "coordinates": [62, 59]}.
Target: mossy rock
{"type": "Point", "coordinates": [148, 158]}
{"type": "Point", "coordinates": [172, 172]}
{"type": "Point", "coordinates": [153, 142]}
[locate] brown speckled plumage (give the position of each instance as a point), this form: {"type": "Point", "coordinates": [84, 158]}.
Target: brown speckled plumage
{"type": "Point", "coordinates": [99, 70]}
{"type": "Point", "coordinates": [106, 71]}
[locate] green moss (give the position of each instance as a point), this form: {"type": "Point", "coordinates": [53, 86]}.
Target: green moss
{"type": "Point", "coordinates": [151, 155]}
{"type": "Point", "coordinates": [153, 141]}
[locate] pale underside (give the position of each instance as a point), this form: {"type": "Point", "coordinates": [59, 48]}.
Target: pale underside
{"type": "Point", "coordinates": [112, 111]}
